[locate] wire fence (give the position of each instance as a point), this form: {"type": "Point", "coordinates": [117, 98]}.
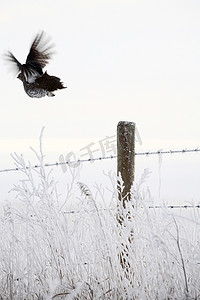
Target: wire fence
{"type": "Point", "coordinates": [115, 209]}
{"type": "Point", "coordinates": [151, 207]}
{"type": "Point", "coordinates": [147, 153]}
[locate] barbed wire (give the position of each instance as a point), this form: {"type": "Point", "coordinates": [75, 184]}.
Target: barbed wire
{"type": "Point", "coordinates": [175, 206]}
{"type": "Point", "coordinates": [168, 152]}
{"type": "Point", "coordinates": [151, 207]}
{"type": "Point", "coordinates": [147, 153]}
{"type": "Point", "coordinates": [115, 209]}
{"type": "Point", "coordinates": [60, 163]}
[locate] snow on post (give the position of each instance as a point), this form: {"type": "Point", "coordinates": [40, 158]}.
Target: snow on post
{"type": "Point", "coordinates": [125, 160]}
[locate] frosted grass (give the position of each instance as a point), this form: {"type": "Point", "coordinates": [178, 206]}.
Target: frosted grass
{"type": "Point", "coordinates": [47, 253]}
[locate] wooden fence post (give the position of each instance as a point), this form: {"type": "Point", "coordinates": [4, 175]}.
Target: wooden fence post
{"type": "Point", "coordinates": [125, 169]}
{"type": "Point", "coordinates": [125, 159]}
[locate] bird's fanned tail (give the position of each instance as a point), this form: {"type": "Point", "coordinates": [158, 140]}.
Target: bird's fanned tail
{"type": "Point", "coordinates": [49, 83]}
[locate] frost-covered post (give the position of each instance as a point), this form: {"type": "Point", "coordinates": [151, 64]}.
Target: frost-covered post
{"type": "Point", "coordinates": [125, 170]}
{"type": "Point", "coordinates": [125, 159]}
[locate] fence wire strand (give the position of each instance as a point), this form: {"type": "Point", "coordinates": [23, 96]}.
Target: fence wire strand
{"type": "Point", "coordinates": [147, 153]}
{"type": "Point", "coordinates": [176, 206]}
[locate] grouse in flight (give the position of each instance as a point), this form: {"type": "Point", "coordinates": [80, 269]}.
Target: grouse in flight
{"type": "Point", "coordinates": [37, 84]}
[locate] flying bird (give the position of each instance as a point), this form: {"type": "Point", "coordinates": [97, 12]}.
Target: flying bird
{"type": "Point", "coordinates": [37, 83]}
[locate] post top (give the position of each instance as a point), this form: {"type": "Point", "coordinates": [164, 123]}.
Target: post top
{"type": "Point", "coordinates": [125, 123]}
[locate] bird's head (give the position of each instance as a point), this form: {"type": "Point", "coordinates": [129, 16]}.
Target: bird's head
{"type": "Point", "coordinates": [20, 76]}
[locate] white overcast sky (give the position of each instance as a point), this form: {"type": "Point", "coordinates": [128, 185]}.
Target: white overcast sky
{"type": "Point", "coordinates": [136, 60]}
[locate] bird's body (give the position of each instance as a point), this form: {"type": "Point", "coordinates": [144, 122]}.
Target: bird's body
{"type": "Point", "coordinates": [37, 84]}
{"type": "Point", "coordinates": [33, 91]}
{"type": "Point", "coordinates": [42, 86]}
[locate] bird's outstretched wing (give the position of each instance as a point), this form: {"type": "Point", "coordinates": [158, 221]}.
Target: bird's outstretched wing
{"type": "Point", "coordinates": [40, 53]}
{"type": "Point", "coordinates": [11, 58]}
{"type": "Point", "coordinates": [28, 72]}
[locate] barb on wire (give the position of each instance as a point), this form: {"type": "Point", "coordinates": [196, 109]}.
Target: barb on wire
{"type": "Point", "coordinates": [103, 158]}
